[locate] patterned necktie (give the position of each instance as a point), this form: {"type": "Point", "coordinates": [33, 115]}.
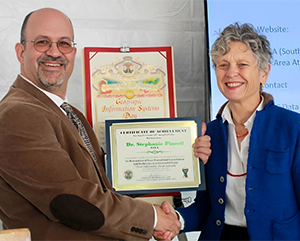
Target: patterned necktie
{"type": "Point", "coordinates": [78, 124]}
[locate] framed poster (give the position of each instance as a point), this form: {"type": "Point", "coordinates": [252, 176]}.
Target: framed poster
{"type": "Point", "coordinates": [131, 85]}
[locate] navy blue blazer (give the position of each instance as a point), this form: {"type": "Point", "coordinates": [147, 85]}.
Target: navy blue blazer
{"type": "Point", "coordinates": [272, 184]}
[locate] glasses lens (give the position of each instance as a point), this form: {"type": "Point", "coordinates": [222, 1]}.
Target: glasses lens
{"type": "Point", "coordinates": [42, 45]}
{"type": "Point", "coordinates": [65, 46]}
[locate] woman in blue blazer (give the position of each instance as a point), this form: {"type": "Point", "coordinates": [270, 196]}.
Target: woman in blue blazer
{"type": "Point", "coordinates": [253, 173]}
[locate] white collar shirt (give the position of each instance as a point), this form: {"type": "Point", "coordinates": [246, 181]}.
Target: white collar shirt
{"type": "Point", "coordinates": [55, 98]}
{"type": "Point", "coordinates": [237, 170]}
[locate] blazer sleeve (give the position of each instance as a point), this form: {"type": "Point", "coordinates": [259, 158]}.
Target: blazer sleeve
{"type": "Point", "coordinates": [43, 161]}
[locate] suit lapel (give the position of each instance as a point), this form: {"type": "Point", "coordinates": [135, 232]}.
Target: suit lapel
{"type": "Point", "coordinates": [49, 105]}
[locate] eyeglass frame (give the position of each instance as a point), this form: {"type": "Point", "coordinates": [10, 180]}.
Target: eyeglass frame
{"type": "Point", "coordinates": [50, 45]}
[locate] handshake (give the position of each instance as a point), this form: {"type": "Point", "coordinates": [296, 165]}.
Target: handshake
{"type": "Point", "coordinates": [168, 225]}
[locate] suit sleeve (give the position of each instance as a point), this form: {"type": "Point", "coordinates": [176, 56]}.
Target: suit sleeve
{"type": "Point", "coordinates": [43, 162]}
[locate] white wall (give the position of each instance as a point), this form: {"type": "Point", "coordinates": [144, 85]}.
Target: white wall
{"type": "Point", "coordinates": [141, 23]}
{"type": "Point", "coordinates": [108, 23]}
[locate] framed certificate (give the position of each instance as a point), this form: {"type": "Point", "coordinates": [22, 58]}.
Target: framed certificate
{"type": "Point", "coordinates": [153, 155]}
{"type": "Point", "coordinates": [132, 85]}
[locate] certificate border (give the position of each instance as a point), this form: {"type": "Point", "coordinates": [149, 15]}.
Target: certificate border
{"type": "Point", "coordinates": [109, 123]}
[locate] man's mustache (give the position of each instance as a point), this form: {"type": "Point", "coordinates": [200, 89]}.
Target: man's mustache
{"type": "Point", "coordinates": [52, 59]}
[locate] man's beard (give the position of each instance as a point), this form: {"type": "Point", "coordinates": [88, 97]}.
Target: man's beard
{"type": "Point", "coordinates": [45, 76]}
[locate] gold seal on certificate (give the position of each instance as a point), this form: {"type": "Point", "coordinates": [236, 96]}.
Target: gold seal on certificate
{"type": "Point", "coordinates": [153, 155]}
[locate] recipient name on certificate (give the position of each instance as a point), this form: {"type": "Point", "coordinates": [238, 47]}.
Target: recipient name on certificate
{"type": "Point", "coordinates": [153, 156]}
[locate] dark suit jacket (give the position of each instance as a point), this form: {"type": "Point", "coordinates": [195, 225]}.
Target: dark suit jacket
{"type": "Point", "coordinates": [48, 181]}
{"type": "Point", "coordinates": [272, 207]}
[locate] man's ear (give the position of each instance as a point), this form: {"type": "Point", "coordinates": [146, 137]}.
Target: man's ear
{"type": "Point", "coordinates": [19, 48]}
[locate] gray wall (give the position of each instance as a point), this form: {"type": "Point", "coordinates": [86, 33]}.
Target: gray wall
{"type": "Point", "coordinates": [141, 23]}
{"type": "Point", "coordinates": [177, 23]}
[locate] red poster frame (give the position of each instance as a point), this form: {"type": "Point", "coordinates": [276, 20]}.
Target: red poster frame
{"type": "Point", "coordinates": [87, 74]}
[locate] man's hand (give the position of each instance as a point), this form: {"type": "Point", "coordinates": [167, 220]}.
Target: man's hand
{"type": "Point", "coordinates": [202, 146]}
{"type": "Point", "coordinates": [168, 225]}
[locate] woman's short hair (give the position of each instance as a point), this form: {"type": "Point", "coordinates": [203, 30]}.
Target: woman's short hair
{"type": "Point", "coordinates": [247, 34]}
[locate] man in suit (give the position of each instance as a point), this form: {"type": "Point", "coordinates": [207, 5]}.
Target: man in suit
{"type": "Point", "coordinates": [49, 181]}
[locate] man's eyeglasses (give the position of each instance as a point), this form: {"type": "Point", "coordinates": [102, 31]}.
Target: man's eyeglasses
{"type": "Point", "coordinates": [43, 45]}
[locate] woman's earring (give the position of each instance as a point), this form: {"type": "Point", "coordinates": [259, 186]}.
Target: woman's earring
{"type": "Point", "coordinates": [262, 86]}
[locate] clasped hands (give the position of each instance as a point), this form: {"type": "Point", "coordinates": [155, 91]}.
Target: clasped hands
{"type": "Point", "coordinates": [168, 224]}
